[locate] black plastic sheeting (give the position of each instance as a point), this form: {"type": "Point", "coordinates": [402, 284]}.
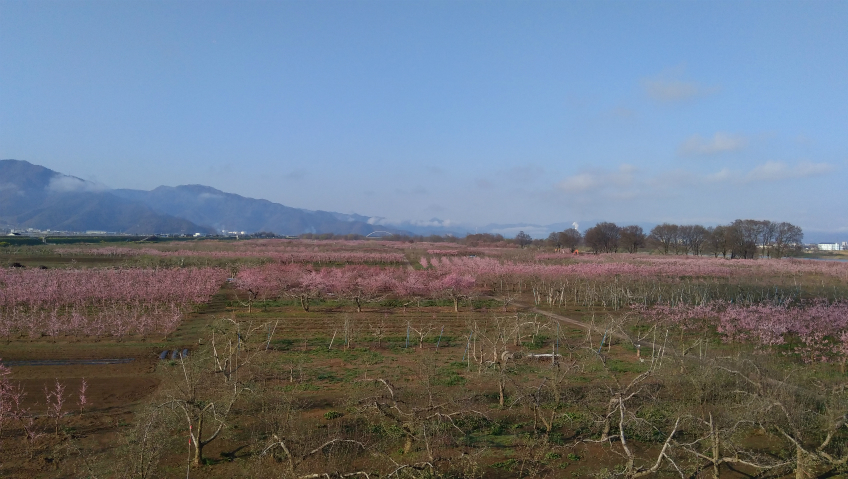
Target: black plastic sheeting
{"type": "Point", "coordinates": [175, 354]}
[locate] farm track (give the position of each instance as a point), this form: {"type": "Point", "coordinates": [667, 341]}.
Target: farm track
{"type": "Point", "coordinates": [580, 324]}
{"type": "Point", "coordinates": [588, 327]}
{"type": "Point", "coordinates": [645, 344]}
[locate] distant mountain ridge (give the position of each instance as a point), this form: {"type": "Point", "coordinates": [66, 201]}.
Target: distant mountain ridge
{"type": "Point", "coordinates": [231, 212]}
{"type": "Point", "coordinates": [32, 196]}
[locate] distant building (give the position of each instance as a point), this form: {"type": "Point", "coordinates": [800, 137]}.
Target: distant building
{"type": "Point", "coordinates": [829, 247]}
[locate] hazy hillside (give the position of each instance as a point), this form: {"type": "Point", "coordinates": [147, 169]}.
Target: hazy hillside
{"type": "Point", "coordinates": [231, 212]}
{"type": "Point", "coordinates": [32, 196]}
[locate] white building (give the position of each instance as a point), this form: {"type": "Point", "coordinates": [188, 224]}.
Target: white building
{"type": "Point", "coordinates": [829, 247]}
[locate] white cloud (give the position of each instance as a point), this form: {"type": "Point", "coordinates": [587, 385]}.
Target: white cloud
{"type": "Point", "coordinates": [778, 170]}
{"type": "Point", "coordinates": [722, 175]}
{"type": "Point", "coordinates": [432, 222]}
{"type": "Point", "coordinates": [719, 143]}
{"type": "Point", "coordinates": [627, 183]}
{"type": "Point", "coordinates": [579, 183]}
{"type": "Point", "coordinates": [599, 179]}
{"type": "Point", "coordinates": [766, 172]}
{"type": "Point", "coordinates": [807, 168]}
{"type": "Point", "coordinates": [667, 87]}
{"type": "Point", "coordinates": [71, 184]}
{"type": "Point", "coordinates": [627, 169]}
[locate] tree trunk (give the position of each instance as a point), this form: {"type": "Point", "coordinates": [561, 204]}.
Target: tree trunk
{"type": "Point", "coordinates": [501, 388]}
{"type": "Point", "coordinates": [198, 444]}
{"type": "Point", "coordinates": [800, 464]}
{"type": "Point", "coordinates": [407, 444]}
{"type": "Point", "coordinates": [198, 455]}
{"type": "Point", "coordinates": [715, 447]}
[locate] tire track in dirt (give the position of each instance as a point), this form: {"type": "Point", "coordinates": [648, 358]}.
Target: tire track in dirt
{"type": "Point", "coordinates": [588, 327]}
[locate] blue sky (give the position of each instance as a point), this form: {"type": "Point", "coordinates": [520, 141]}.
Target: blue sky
{"type": "Point", "coordinates": [469, 112]}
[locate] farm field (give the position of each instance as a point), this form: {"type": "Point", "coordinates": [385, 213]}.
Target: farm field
{"type": "Point", "coordinates": [310, 358]}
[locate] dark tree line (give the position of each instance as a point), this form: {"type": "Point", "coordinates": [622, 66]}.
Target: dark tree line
{"type": "Point", "coordinates": [746, 239]}
{"type": "Point", "coordinates": [739, 239]}
{"type": "Point", "coordinates": [569, 239]}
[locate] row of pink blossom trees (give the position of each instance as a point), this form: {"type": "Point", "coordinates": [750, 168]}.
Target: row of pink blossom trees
{"type": "Point", "coordinates": [291, 256]}
{"type": "Point", "coordinates": [101, 302]}
{"type": "Point", "coordinates": [815, 330]}
{"type": "Point", "coordinates": [359, 284]}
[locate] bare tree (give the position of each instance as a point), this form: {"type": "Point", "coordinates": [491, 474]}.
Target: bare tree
{"type": "Point", "coordinates": [571, 239]}
{"type": "Point", "coordinates": [146, 444]}
{"type": "Point", "coordinates": [787, 238]}
{"type": "Point", "coordinates": [664, 236]}
{"type": "Point", "coordinates": [416, 413]}
{"type": "Point", "coordinates": [292, 444]}
{"type": "Point", "coordinates": [553, 240]}
{"type": "Point", "coordinates": [603, 237]}
{"type": "Point", "coordinates": [207, 384]}
{"type": "Point", "coordinates": [568, 239]}
{"type": "Point", "coordinates": [768, 231]}
{"type": "Point", "coordinates": [744, 236]}
{"type": "Point", "coordinates": [798, 409]}
{"type": "Point", "coordinates": [717, 241]}
{"type": "Point", "coordinates": [495, 334]}
{"type": "Point", "coordinates": [632, 238]}
{"type": "Point", "coordinates": [693, 237]}
{"type": "Point", "coordinates": [522, 239]}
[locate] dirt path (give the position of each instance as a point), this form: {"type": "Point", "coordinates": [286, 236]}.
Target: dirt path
{"type": "Point", "coordinates": [574, 322]}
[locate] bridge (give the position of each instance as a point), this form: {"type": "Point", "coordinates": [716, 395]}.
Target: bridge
{"type": "Point", "coordinates": [379, 234]}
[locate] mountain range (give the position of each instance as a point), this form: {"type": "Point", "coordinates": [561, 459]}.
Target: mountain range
{"type": "Point", "coordinates": [32, 196]}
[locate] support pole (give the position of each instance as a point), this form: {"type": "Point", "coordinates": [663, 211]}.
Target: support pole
{"type": "Point", "coordinates": [602, 342]}
{"type": "Point", "coordinates": [467, 345]}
